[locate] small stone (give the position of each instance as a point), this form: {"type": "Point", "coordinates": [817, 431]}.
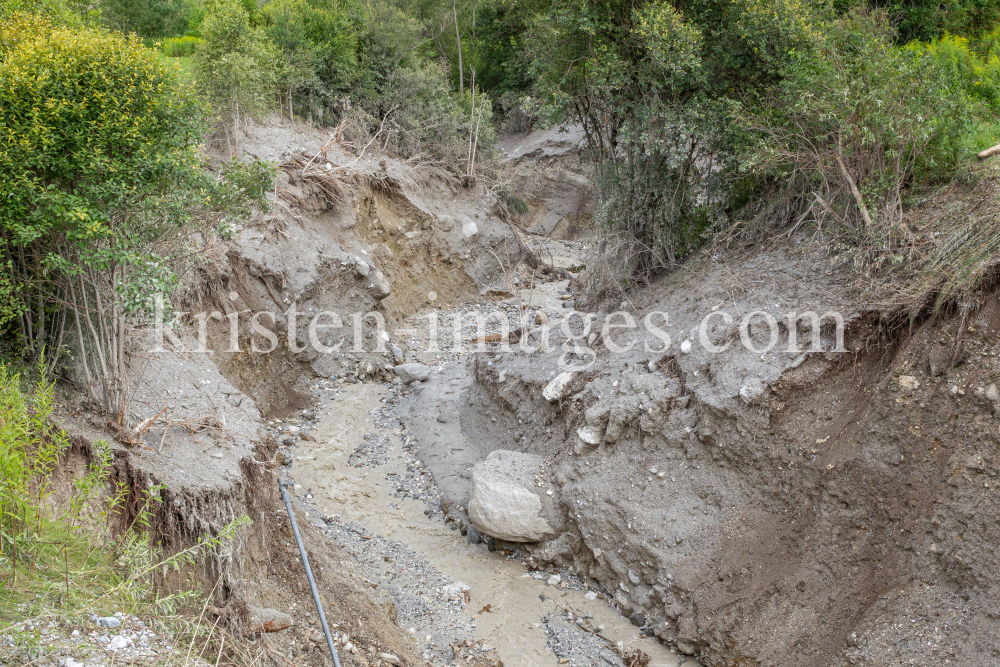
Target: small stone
{"type": "Point", "coordinates": [473, 535]}
{"type": "Point", "coordinates": [108, 622]}
{"type": "Point", "coordinates": [554, 580]}
{"type": "Point", "coordinates": [908, 382]}
{"type": "Point", "coordinates": [119, 642]}
{"type": "Point", "coordinates": [686, 346]}
{"type": "Point", "coordinates": [458, 590]}
{"type": "Point", "coordinates": [390, 658]}
{"type": "Point", "coordinates": [634, 578]}
{"type": "Point", "coordinates": [591, 595]}
{"type": "Point", "coordinates": [558, 387]}
{"type": "Point", "coordinates": [992, 393]}
{"type": "Point", "coordinates": [637, 619]}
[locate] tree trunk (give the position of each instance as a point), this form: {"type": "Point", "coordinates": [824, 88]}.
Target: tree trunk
{"type": "Point", "coordinates": [236, 125]}
{"type": "Point", "coordinates": [458, 40]}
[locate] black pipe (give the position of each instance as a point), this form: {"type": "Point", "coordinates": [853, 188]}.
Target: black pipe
{"type": "Point", "coordinates": [309, 574]}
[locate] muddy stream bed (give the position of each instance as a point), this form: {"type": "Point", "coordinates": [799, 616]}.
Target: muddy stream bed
{"type": "Point", "coordinates": [356, 473]}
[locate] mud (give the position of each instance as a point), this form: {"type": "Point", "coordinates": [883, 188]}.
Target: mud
{"type": "Point", "coordinates": [519, 606]}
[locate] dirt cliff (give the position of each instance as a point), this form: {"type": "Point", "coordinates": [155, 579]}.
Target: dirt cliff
{"type": "Point", "coordinates": [765, 508]}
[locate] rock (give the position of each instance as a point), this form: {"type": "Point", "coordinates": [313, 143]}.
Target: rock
{"type": "Point", "coordinates": [317, 638]}
{"type": "Point", "coordinates": [473, 535]}
{"type": "Point", "coordinates": [458, 590]}
{"type": "Point", "coordinates": [70, 662]}
{"type": "Point", "coordinates": [502, 504]}
{"type": "Point", "coordinates": [554, 580]}
{"type": "Point", "coordinates": [283, 459]}
{"type": "Point", "coordinates": [397, 354]}
{"type": "Point", "coordinates": [349, 647]}
{"type": "Point", "coordinates": [390, 658]}
{"type": "Point", "coordinates": [361, 267]}
{"type": "Point", "coordinates": [558, 387]}
{"type": "Point", "coordinates": [752, 390]}
{"type": "Point", "coordinates": [469, 228]}
{"type": "Point", "coordinates": [992, 393]}
{"type": "Point", "coordinates": [637, 619]}
{"type": "Point", "coordinates": [634, 578]}
{"type": "Point", "coordinates": [307, 437]}
{"type": "Point", "coordinates": [686, 346]}
{"type": "Point", "coordinates": [939, 359]}
{"type": "Point", "coordinates": [108, 622]}
{"type": "Point", "coordinates": [412, 372]}
{"type": "Point", "coordinates": [267, 620]}
{"type": "Point", "coordinates": [589, 435]}
{"type": "Point", "coordinates": [590, 595]}
{"type": "Point", "coordinates": [908, 382]}
{"type": "Point", "coordinates": [118, 642]}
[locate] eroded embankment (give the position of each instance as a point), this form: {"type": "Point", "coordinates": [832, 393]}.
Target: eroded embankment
{"type": "Point", "coordinates": [767, 509]}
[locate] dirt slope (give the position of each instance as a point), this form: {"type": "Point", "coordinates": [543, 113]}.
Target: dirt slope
{"type": "Point", "coordinates": [776, 509]}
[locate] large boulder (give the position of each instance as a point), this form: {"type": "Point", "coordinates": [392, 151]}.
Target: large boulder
{"type": "Point", "coordinates": [412, 372]}
{"type": "Point", "coordinates": [506, 502]}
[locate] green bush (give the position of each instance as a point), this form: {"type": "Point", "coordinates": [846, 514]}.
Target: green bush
{"type": "Point", "coordinates": [100, 158]}
{"type": "Point", "coordinates": [856, 123]}
{"type": "Point", "coordinates": [179, 47]}
{"type": "Point", "coordinates": [29, 451]}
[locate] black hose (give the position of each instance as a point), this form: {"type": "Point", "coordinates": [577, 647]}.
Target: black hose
{"type": "Point", "coordinates": [309, 574]}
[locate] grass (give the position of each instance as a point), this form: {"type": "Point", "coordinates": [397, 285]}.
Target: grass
{"type": "Point", "coordinates": [183, 65]}
{"type": "Point", "coordinates": [64, 558]}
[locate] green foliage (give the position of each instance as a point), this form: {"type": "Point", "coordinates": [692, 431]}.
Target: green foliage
{"type": "Point", "coordinates": [235, 65]}
{"type": "Point", "coordinates": [854, 124]}
{"type": "Point", "coordinates": [317, 46]}
{"type": "Point", "coordinates": [61, 557]}
{"type": "Point", "coordinates": [502, 65]}
{"type": "Point", "coordinates": [145, 18]}
{"type": "Point", "coordinates": [99, 154]}
{"type": "Point", "coordinates": [179, 47]}
{"type": "Point", "coordinates": [929, 19]}
{"type": "Point", "coordinates": [244, 185]}
{"type": "Point", "coordinates": [29, 451]}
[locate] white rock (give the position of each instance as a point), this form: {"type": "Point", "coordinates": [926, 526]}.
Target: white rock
{"type": "Point", "coordinates": [992, 393]}
{"type": "Point", "coordinates": [752, 390]}
{"type": "Point", "coordinates": [589, 435]}
{"type": "Point", "coordinates": [591, 595]}
{"type": "Point", "coordinates": [686, 346]}
{"type": "Point", "coordinates": [108, 622]}
{"type": "Point", "coordinates": [412, 372]}
{"type": "Point", "coordinates": [554, 580]}
{"type": "Point", "coordinates": [634, 578]}
{"type": "Point", "coordinates": [456, 590]}
{"type": "Point", "coordinates": [503, 503]}
{"type": "Point", "coordinates": [70, 662]}
{"type": "Point", "coordinates": [361, 267]}
{"type": "Point", "coordinates": [469, 228]}
{"type": "Point", "coordinates": [390, 658]}
{"type": "Point", "coordinates": [908, 382]}
{"type": "Point", "coordinates": [558, 387]}
{"type": "Point", "coordinates": [118, 642]}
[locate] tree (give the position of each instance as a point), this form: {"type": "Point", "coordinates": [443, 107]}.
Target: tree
{"type": "Point", "coordinates": [316, 45]}
{"type": "Point", "coordinates": [145, 18]}
{"type": "Point", "coordinates": [657, 86]}
{"type": "Point", "coordinates": [99, 163]}
{"type": "Point", "coordinates": [235, 65]}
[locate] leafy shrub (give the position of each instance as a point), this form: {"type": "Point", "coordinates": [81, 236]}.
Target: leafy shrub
{"type": "Point", "coordinates": [29, 451]}
{"type": "Point", "coordinates": [179, 47]}
{"type": "Point", "coordinates": [100, 158]}
{"type": "Point", "coordinates": [234, 66]}
{"type": "Point", "coordinates": [856, 123]}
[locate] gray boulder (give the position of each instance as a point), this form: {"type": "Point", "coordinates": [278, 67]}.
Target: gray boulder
{"type": "Point", "coordinates": [412, 372]}
{"type": "Point", "coordinates": [504, 502]}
